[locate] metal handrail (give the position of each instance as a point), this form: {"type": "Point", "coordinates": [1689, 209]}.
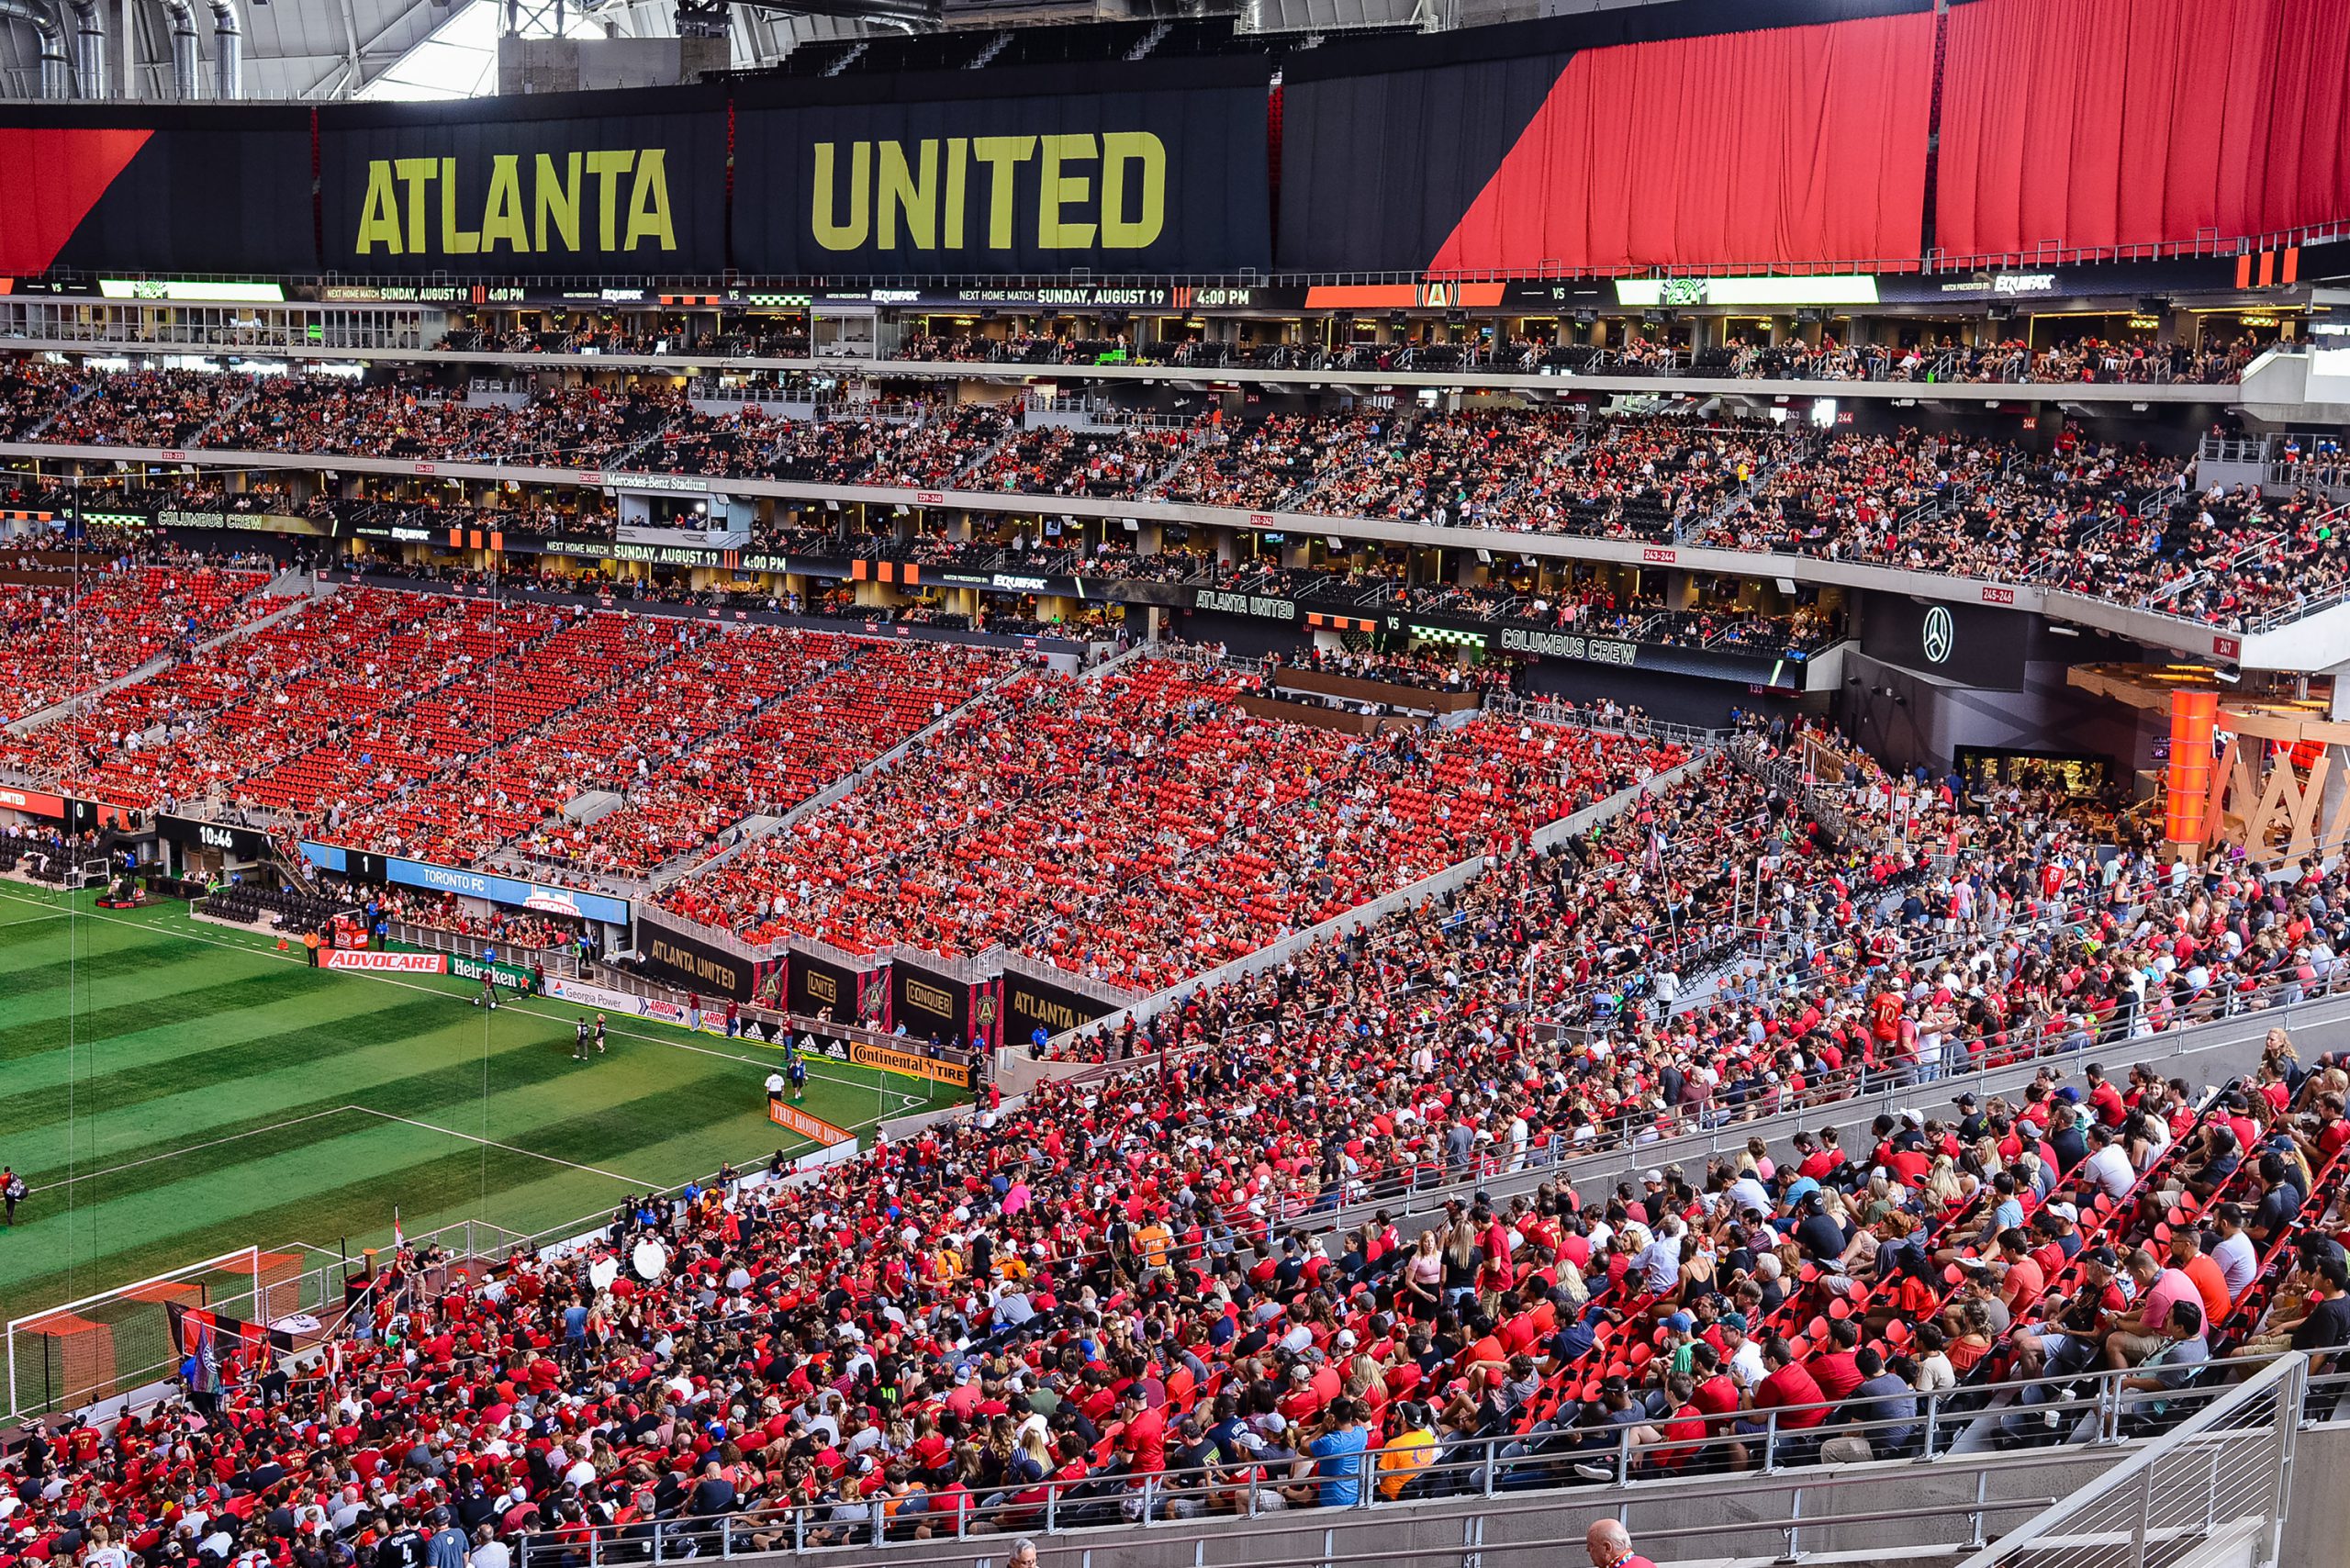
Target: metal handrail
{"type": "Point", "coordinates": [1480, 1471]}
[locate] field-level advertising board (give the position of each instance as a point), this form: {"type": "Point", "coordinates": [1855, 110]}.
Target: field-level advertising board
{"type": "Point", "coordinates": [116, 1340]}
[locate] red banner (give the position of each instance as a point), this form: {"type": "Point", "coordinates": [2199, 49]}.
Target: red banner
{"type": "Point", "coordinates": [34, 801]}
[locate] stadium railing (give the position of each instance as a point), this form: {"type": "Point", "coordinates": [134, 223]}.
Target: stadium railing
{"type": "Point", "coordinates": [2206, 1459]}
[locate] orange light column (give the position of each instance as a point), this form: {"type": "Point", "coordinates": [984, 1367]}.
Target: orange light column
{"type": "Point", "coordinates": [2194, 715]}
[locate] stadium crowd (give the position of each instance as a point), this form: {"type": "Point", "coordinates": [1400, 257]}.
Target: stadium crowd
{"type": "Point", "coordinates": [1146, 825]}
{"type": "Point", "coordinates": [2099, 519]}
{"type": "Point", "coordinates": [1183, 1289]}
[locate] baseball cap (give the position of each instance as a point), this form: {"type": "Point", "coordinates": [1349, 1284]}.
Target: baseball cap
{"type": "Point", "coordinates": [1680, 1322]}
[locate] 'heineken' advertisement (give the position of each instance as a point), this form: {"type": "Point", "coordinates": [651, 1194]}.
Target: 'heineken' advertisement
{"type": "Point", "coordinates": [513, 977]}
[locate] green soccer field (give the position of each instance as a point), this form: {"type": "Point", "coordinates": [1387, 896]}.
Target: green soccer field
{"type": "Point", "coordinates": [171, 1090]}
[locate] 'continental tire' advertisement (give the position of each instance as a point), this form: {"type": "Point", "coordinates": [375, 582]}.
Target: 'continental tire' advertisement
{"type": "Point", "coordinates": [912, 1064]}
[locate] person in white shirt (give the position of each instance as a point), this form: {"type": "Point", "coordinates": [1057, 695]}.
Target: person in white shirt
{"type": "Point", "coordinates": [2233, 1251]}
{"type": "Point", "coordinates": [102, 1552]}
{"type": "Point", "coordinates": [2108, 1163]}
{"type": "Point", "coordinates": [1742, 1358]}
{"type": "Point", "coordinates": [489, 1550]}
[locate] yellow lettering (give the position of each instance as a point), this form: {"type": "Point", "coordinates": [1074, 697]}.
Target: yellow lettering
{"type": "Point", "coordinates": [1147, 155]}
{"type": "Point", "coordinates": [957, 147]}
{"type": "Point", "coordinates": [379, 217]}
{"type": "Point", "coordinates": [648, 202]}
{"type": "Point", "coordinates": [903, 191]}
{"type": "Point", "coordinates": [1005, 153]}
{"type": "Point", "coordinates": [842, 236]}
{"type": "Point", "coordinates": [1058, 189]}
{"type": "Point", "coordinates": [416, 174]}
{"type": "Point", "coordinates": [501, 214]}
{"type": "Point", "coordinates": [605, 168]}
{"type": "Point", "coordinates": [557, 197]}
{"type": "Point", "coordinates": [454, 242]}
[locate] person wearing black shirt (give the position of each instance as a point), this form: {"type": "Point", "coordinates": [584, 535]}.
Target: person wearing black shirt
{"type": "Point", "coordinates": [1819, 1237]}
{"type": "Point", "coordinates": [403, 1548]}
{"type": "Point", "coordinates": [2326, 1330]}
{"type": "Point", "coordinates": [1973, 1123]}
{"type": "Point", "coordinates": [2066, 1140]}
{"type": "Point", "coordinates": [2280, 1203]}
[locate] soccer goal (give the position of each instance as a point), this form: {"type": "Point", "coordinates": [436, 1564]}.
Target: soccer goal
{"type": "Point", "coordinates": [121, 1340]}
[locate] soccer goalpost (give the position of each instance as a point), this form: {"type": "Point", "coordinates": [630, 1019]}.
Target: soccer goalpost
{"type": "Point", "coordinates": [121, 1339]}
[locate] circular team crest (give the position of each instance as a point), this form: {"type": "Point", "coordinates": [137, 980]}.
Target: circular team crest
{"type": "Point", "coordinates": [1940, 635]}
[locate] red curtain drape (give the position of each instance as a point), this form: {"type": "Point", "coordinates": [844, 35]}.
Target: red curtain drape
{"type": "Point", "coordinates": [55, 174]}
{"type": "Point", "coordinates": [2092, 123]}
{"type": "Point", "coordinates": [1790, 145]}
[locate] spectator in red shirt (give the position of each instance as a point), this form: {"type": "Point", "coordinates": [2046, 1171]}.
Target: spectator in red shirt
{"type": "Point", "coordinates": [1787, 1388]}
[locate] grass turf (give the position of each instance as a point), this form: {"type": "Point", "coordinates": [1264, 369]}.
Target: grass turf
{"type": "Point", "coordinates": [171, 1090]}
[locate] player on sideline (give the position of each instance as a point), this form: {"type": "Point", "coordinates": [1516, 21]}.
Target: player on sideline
{"type": "Point", "coordinates": [579, 1050]}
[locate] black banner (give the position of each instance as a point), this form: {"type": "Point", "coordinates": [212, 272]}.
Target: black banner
{"type": "Point", "coordinates": [1151, 168]}
{"type": "Point", "coordinates": [929, 1005]}
{"type": "Point", "coordinates": [577, 184]}
{"type": "Point", "coordinates": [1030, 1004]}
{"type": "Point", "coordinates": [813, 985]}
{"type": "Point", "coordinates": [154, 189]}
{"type": "Point", "coordinates": [676, 958]}
{"type": "Point", "coordinates": [237, 843]}
{"type": "Point", "coordinates": [1959, 642]}
{"type": "Point", "coordinates": [1262, 622]}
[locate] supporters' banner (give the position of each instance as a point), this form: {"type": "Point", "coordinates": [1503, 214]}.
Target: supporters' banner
{"type": "Point", "coordinates": [210, 1339]}
{"type": "Point", "coordinates": [1031, 1004]}
{"type": "Point", "coordinates": [376, 960]}
{"type": "Point", "coordinates": [1632, 136]}
{"type": "Point", "coordinates": [814, 987]}
{"type": "Point", "coordinates": [675, 958]}
{"type": "Point", "coordinates": [815, 1129]}
{"type": "Point", "coordinates": [912, 1064]}
{"type": "Point", "coordinates": [32, 802]}
{"type": "Point", "coordinates": [191, 832]}
{"type": "Point", "coordinates": [149, 188]}
{"type": "Point", "coordinates": [928, 1006]}
{"type": "Point", "coordinates": [571, 182]}
{"type": "Point", "coordinates": [1151, 168]}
